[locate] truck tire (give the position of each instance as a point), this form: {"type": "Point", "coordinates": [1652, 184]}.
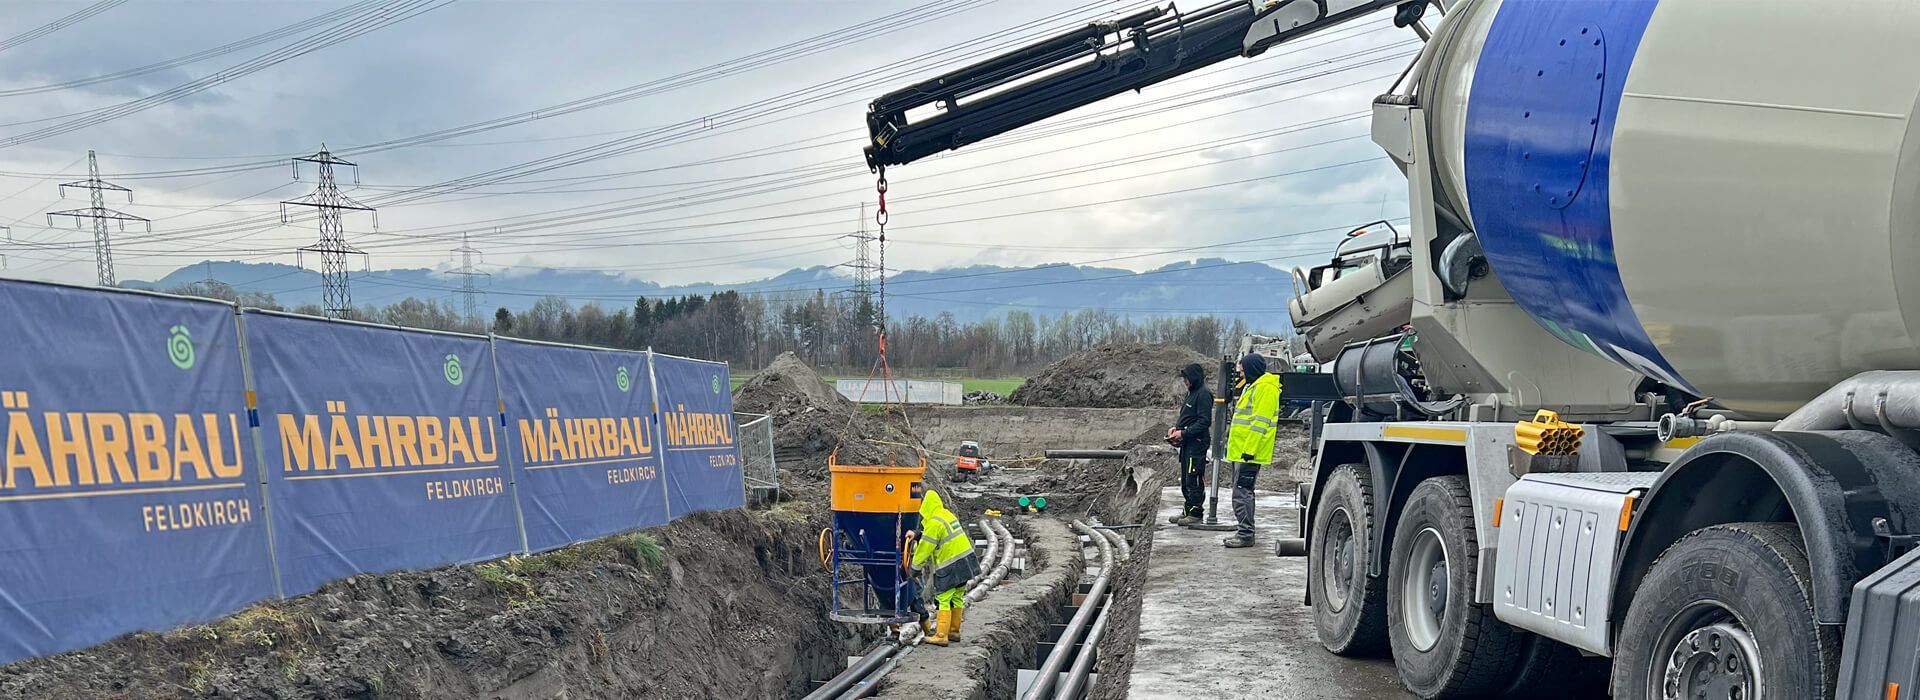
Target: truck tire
{"type": "Point", "coordinates": [1549, 669]}
{"type": "Point", "coordinates": [1349, 606]}
{"type": "Point", "coordinates": [1716, 605]}
{"type": "Point", "coordinates": [1444, 645]}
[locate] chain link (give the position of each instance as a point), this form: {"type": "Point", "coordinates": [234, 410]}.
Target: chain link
{"type": "Point", "coordinates": [880, 218]}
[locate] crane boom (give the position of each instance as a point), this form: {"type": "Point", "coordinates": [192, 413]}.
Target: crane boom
{"type": "Point", "coordinates": [1086, 65]}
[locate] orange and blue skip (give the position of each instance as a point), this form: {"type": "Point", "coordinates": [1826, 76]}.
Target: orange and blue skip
{"type": "Point", "coordinates": [876, 511]}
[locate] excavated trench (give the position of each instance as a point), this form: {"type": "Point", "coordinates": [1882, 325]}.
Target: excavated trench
{"type": "Point", "coordinates": [730, 604]}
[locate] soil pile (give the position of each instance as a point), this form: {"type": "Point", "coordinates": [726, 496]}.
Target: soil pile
{"type": "Point", "coordinates": [722, 604]}
{"type": "Point", "coordinates": [810, 420]}
{"type": "Point", "coordinates": [1121, 375]}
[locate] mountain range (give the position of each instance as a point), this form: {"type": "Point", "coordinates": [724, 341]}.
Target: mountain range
{"type": "Point", "coordinates": [1253, 292]}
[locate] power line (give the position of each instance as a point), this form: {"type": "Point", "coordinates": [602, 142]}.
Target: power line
{"type": "Point", "coordinates": [60, 24]}
{"type": "Point", "coordinates": [222, 50]}
{"type": "Point", "coordinates": [370, 20]}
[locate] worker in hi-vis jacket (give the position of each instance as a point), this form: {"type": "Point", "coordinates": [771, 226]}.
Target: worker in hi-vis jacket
{"type": "Point", "coordinates": [1250, 440]}
{"type": "Point", "coordinates": [943, 546]}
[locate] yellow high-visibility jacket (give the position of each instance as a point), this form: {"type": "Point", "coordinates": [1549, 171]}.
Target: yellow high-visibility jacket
{"type": "Point", "coordinates": [1251, 437]}
{"type": "Point", "coordinates": [945, 544]}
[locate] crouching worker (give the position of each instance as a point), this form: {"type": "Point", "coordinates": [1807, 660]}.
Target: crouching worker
{"type": "Point", "coordinates": [944, 548]}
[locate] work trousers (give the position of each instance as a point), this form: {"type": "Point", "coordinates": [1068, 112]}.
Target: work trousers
{"type": "Point", "coordinates": [952, 598]}
{"type": "Point", "coordinates": [1243, 477]}
{"type": "Point", "coordinates": [1193, 479]}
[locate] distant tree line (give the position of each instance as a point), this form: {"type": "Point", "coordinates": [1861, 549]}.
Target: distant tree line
{"type": "Point", "coordinates": [831, 332]}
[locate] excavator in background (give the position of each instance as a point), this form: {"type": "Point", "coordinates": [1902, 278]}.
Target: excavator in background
{"type": "Point", "coordinates": [1635, 394]}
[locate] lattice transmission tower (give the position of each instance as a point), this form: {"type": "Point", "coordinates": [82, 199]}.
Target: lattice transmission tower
{"type": "Point", "coordinates": [333, 248]}
{"type": "Point", "coordinates": [96, 189]}
{"type": "Point", "coordinates": [469, 293]}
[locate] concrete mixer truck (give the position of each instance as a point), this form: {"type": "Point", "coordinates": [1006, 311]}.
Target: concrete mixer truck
{"type": "Point", "coordinates": [1634, 393]}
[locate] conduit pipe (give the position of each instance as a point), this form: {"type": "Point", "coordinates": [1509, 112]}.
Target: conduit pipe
{"type": "Point", "coordinates": [1086, 454]}
{"type": "Point", "coordinates": [993, 552]}
{"type": "Point", "coordinates": [1119, 542]}
{"type": "Point", "coordinates": [1050, 670]}
{"type": "Point", "coordinates": [874, 659]}
{"type": "Point", "coordinates": [1083, 664]}
{"type": "Point", "coordinates": [993, 577]}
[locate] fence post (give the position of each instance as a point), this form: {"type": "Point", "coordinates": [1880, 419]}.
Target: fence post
{"type": "Point", "coordinates": [660, 435]}
{"type": "Point", "coordinates": [259, 451]}
{"type": "Point", "coordinates": [513, 474]}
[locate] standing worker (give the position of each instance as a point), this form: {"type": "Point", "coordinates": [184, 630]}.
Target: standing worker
{"type": "Point", "coordinates": [944, 547]}
{"type": "Point", "coordinates": [1250, 441]}
{"type": "Point", "coordinates": [1189, 433]}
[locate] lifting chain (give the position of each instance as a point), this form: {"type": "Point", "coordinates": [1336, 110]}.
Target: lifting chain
{"type": "Point", "coordinates": [880, 218]}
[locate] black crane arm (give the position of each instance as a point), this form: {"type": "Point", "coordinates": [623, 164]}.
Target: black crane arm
{"type": "Point", "coordinates": [1083, 66]}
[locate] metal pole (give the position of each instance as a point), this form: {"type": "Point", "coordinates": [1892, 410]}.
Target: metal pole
{"type": "Point", "coordinates": [513, 475]}
{"type": "Point", "coordinates": [259, 450]}
{"type": "Point", "coordinates": [660, 435]}
{"type": "Point", "coordinates": [1217, 446]}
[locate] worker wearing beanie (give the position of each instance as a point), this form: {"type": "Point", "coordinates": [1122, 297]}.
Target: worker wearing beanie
{"type": "Point", "coordinates": [1250, 441]}
{"type": "Point", "coordinates": [1189, 433]}
{"type": "Point", "coordinates": [944, 547]}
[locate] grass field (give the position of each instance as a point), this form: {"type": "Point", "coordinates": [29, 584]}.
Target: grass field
{"type": "Point", "coordinates": [1002, 386]}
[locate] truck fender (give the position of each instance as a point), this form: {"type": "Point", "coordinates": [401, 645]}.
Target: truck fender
{"type": "Point", "coordinates": [1337, 453]}
{"type": "Point", "coordinates": [1833, 485]}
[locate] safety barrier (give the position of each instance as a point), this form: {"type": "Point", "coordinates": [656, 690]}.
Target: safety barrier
{"type": "Point", "coordinates": [915, 391]}
{"type": "Point", "coordinates": [758, 467]}
{"type": "Point", "coordinates": [171, 460]}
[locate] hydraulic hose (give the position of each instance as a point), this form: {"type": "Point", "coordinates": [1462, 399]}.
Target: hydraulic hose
{"type": "Point", "coordinates": [1050, 670]}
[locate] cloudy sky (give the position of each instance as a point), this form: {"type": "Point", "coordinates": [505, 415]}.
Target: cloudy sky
{"type": "Point", "coordinates": [729, 153]}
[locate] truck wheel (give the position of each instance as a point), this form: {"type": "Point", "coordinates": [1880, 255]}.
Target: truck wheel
{"type": "Point", "coordinates": [1727, 612]}
{"type": "Point", "coordinates": [1349, 606]}
{"type": "Point", "coordinates": [1444, 645]}
{"type": "Point", "coordinates": [1550, 669]}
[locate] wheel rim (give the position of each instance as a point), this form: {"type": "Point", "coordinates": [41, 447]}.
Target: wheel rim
{"type": "Point", "coordinates": [1338, 572]}
{"type": "Point", "coordinates": [1711, 656]}
{"type": "Point", "coordinates": [1423, 590]}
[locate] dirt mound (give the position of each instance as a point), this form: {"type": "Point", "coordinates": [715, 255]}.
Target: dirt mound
{"type": "Point", "coordinates": [810, 419]}
{"type": "Point", "coordinates": [714, 605]}
{"type": "Point", "coordinates": [1124, 375]}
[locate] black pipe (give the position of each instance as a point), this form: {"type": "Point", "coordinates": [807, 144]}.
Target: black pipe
{"type": "Point", "coordinates": [1086, 454]}
{"type": "Point", "coordinates": [1050, 670]}
{"type": "Point", "coordinates": [837, 685]}
{"type": "Point", "coordinates": [1083, 664]}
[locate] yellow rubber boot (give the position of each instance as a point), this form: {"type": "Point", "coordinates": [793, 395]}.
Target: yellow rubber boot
{"type": "Point", "coordinates": [939, 636]}
{"type": "Point", "coordinates": [953, 634]}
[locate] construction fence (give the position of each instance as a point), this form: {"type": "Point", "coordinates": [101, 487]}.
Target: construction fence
{"type": "Point", "coordinates": [171, 460]}
{"type": "Point", "coordinates": [913, 391]}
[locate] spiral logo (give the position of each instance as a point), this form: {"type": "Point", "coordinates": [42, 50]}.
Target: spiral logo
{"type": "Point", "coordinates": [180, 347]}
{"type": "Point", "coordinates": [455, 375]}
{"type": "Point", "coordinates": [620, 379]}
{"type": "Point", "coordinates": [716, 383]}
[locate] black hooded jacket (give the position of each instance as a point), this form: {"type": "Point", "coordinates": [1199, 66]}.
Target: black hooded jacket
{"type": "Point", "coordinates": [1196, 413]}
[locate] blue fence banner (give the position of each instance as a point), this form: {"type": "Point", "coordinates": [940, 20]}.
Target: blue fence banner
{"type": "Point", "coordinates": [580, 432]}
{"type": "Point", "coordinates": [698, 435]}
{"type": "Point", "coordinates": [380, 448]}
{"type": "Point", "coordinates": [128, 497]}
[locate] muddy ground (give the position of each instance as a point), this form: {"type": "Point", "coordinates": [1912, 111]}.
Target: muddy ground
{"type": "Point", "coordinates": [1120, 375]}
{"type": "Point", "coordinates": [715, 605]}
